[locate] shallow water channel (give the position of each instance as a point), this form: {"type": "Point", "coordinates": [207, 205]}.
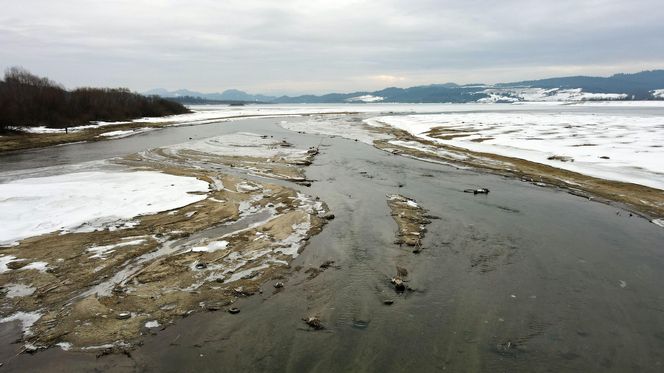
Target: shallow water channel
{"type": "Point", "coordinates": [522, 279]}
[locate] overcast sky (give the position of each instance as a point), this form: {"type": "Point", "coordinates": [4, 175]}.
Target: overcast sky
{"type": "Point", "coordinates": [310, 46]}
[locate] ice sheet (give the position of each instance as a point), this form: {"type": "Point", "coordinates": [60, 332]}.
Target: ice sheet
{"type": "Point", "coordinates": [333, 126]}
{"type": "Point", "coordinates": [241, 144]}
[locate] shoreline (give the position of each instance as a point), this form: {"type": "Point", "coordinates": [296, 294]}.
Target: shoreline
{"type": "Point", "coordinates": [19, 141]}
{"type": "Point", "coordinates": [641, 200]}
{"type": "Point", "coordinates": [645, 201]}
{"type": "Point", "coordinates": [83, 290]}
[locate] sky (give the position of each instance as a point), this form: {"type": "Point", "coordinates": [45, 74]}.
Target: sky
{"type": "Point", "coordinates": [312, 46]}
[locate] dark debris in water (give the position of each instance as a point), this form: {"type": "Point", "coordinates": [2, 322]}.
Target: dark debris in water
{"type": "Point", "coordinates": [314, 322]}
{"type": "Point", "coordinates": [477, 191]}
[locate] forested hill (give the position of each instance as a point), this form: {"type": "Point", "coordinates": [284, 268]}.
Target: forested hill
{"type": "Point", "coordinates": [27, 100]}
{"type": "Point", "coordinates": [645, 85]}
{"type": "Point", "coordinates": [639, 84]}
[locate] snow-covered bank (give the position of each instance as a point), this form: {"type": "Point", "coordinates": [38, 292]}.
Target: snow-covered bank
{"type": "Point", "coordinates": [88, 200]}
{"type": "Point", "coordinates": [616, 147]}
{"type": "Point", "coordinates": [49, 130]}
{"type": "Point", "coordinates": [124, 133]}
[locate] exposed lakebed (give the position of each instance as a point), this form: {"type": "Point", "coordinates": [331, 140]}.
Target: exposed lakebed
{"type": "Point", "coordinates": [522, 279]}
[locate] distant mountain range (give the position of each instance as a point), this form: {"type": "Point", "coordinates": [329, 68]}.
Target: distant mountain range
{"type": "Point", "coordinates": [227, 95]}
{"type": "Point", "coordinates": [646, 85]}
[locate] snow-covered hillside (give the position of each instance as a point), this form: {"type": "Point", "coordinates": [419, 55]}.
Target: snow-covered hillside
{"type": "Point", "coordinates": [365, 98]}
{"type": "Point", "coordinates": [528, 94]}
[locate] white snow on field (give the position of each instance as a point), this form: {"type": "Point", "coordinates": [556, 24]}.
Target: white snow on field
{"type": "Point", "coordinates": [365, 98]}
{"type": "Point", "coordinates": [658, 93]}
{"type": "Point", "coordinates": [507, 95]}
{"type": "Point", "coordinates": [632, 143]}
{"type": "Point", "coordinates": [242, 144]}
{"type": "Point", "coordinates": [35, 206]}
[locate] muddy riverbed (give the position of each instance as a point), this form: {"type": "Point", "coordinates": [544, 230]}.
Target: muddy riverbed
{"type": "Point", "coordinates": [521, 279]}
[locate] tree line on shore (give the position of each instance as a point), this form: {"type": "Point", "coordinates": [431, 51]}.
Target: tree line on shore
{"type": "Point", "coordinates": [27, 100]}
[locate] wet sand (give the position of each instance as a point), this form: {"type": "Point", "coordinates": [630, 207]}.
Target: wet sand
{"type": "Point", "coordinates": [523, 279]}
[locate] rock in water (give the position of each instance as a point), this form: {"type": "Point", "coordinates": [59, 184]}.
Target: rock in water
{"type": "Point", "coordinates": [398, 283]}
{"type": "Point", "coordinates": [314, 322]}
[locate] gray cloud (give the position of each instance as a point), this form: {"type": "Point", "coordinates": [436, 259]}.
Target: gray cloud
{"type": "Point", "coordinates": [312, 46]}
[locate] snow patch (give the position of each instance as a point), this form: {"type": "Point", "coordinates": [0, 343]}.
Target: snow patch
{"type": "Point", "coordinates": [4, 260]}
{"type": "Point", "coordinates": [37, 266]}
{"type": "Point", "coordinates": [152, 324]}
{"type": "Point", "coordinates": [101, 252]}
{"type": "Point", "coordinates": [89, 200]}
{"type": "Point", "coordinates": [18, 290]}
{"type": "Point", "coordinates": [211, 247]}
{"type": "Point", "coordinates": [65, 346]}
{"type": "Point", "coordinates": [365, 98]}
{"type": "Point", "coordinates": [27, 319]}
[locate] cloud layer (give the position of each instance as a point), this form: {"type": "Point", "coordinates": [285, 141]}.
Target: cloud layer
{"type": "Point", "coordinates": [298, 46]}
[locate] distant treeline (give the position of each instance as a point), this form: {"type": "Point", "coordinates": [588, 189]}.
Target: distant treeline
{"type": "Point", "coordinates": [29, 100]}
